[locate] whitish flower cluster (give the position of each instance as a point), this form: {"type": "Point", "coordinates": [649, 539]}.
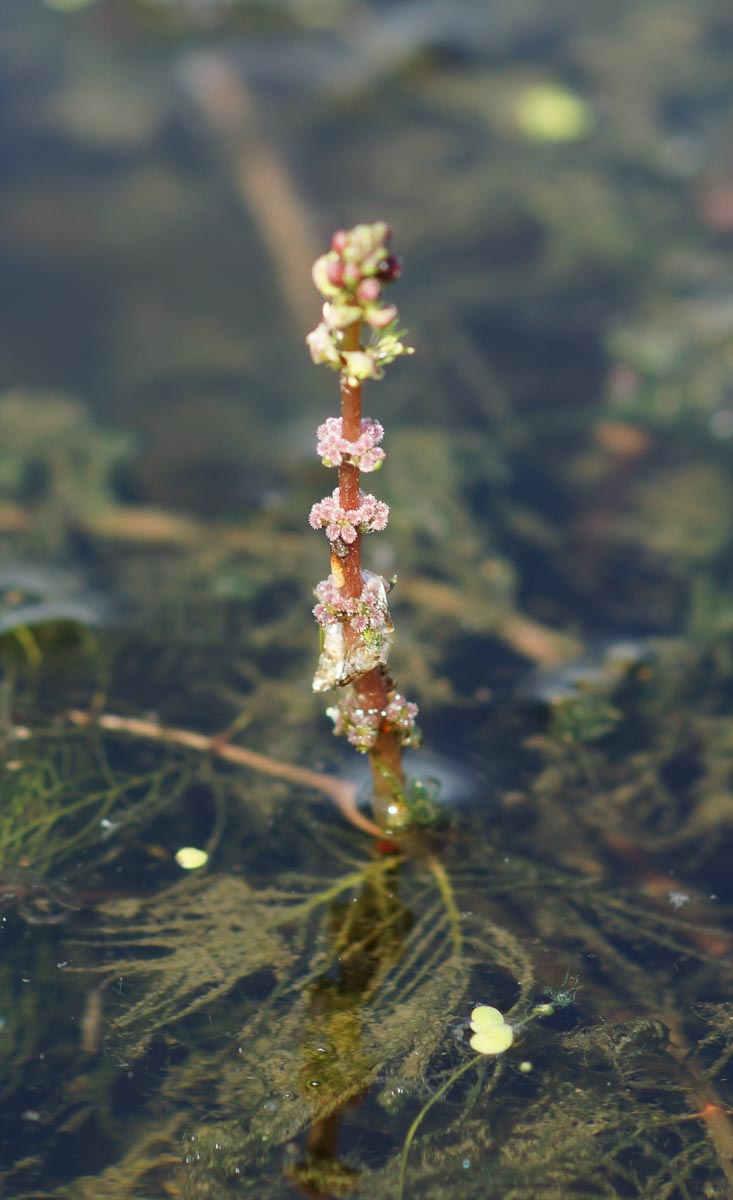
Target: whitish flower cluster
{"type": "Point", "coordinates": [365, 453]}
{"type": "Point", "coordinates": [365, 613]}
{"type": "Point", "coordinates": [345, 523]}
{"type": "Point", "coordinates": [361, 726]}
{"type": "Point", "coordinates": [325, 340]}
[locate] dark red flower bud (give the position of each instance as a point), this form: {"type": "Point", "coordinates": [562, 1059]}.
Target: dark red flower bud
{"type": "Point", "coordinates": [389, 269]}
{"type": "Point", "coordinates": [340, 240]}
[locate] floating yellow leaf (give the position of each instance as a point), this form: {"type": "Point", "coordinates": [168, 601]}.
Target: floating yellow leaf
{"type": "Point", "coordinates": [550, 113]}
{"type": "Point", "coordinates": [491, 1033]}
{"type": "Point", "coordinates": [190, 858]}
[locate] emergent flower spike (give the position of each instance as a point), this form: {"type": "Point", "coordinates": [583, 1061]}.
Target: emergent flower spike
{"type": "Point", "coordinates": [352, 610]}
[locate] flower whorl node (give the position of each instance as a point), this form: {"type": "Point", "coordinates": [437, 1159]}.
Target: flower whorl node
{"type": "Point", "coordinates": [345, 523]}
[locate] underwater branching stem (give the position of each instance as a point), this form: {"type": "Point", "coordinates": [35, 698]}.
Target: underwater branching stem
{"type": "Point", "coordinates": [341, 791]}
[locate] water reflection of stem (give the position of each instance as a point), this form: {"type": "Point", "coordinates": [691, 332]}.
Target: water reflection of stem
{"type": "Point", "coordinates": [366, 937]}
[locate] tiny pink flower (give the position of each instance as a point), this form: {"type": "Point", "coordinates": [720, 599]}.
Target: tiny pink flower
{"type": "Point", "coordinates": [360, 726]}
{"type": "Point", "coordinates": [369, 290]}
{"type": "Point", "coordinates": [370, 517]}
{"type": "Point", "coordinates": [364, 453]}
{"type": "Point", "coordinates": [401, 715]}
{"type": "Point", "coordinates": [369, 611]}
{"type": "Point", "coordinates": [340, 240]}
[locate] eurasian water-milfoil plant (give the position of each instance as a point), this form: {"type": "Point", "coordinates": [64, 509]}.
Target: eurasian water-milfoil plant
{"type": "Point", "coordinates": [358, 337]}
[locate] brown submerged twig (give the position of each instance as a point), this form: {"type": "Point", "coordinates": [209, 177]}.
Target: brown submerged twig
{"type": "Point", "coordinates": [341, 791]}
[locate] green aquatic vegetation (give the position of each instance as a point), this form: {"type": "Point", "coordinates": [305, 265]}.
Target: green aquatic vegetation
{"type": "Point", "coordinates": [64, 810]}
{"type": "Point", "coordinates": [360, 996]}
{"type": "Point", "coordinates": [358, 988]}
{"type": "Point", "coordinates": [587, 1125]}
{"type": "Point", "coordinates": [671, 721]}
{"type": "Point", "coordinates": [56, 462]}
{"type": "Point", "coordinates": [178, 956]}
{"type": "Point", "coordinates": [47, 615]}
{"type": "Point", "coordinates": [339, 992]}
{"type": "Point", "coordinates": [196, 941]}
{"type": "Point", "coordinates": [342, 1036]}
{"type": "Point", "coordinates": [492, 1035]}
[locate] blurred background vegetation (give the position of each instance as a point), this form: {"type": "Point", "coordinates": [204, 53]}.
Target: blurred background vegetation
{"type": "Point", "coordinates": [559, 180]}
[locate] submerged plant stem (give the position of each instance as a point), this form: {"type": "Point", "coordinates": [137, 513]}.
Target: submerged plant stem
{"type": "Point", "coordinates": [445, 887]}
{"type": "Point", "coordinates": [477, 1060]}
{"type": "Point", "coordinates": [341, 791]}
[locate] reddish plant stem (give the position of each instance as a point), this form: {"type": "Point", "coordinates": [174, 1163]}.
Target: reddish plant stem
{"type": "Point", "coordinates": [347, 572]}
{"type": "Point", "coordinates": [373, 689]}
{"type": "Point", "coordinates": [385, 756]}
